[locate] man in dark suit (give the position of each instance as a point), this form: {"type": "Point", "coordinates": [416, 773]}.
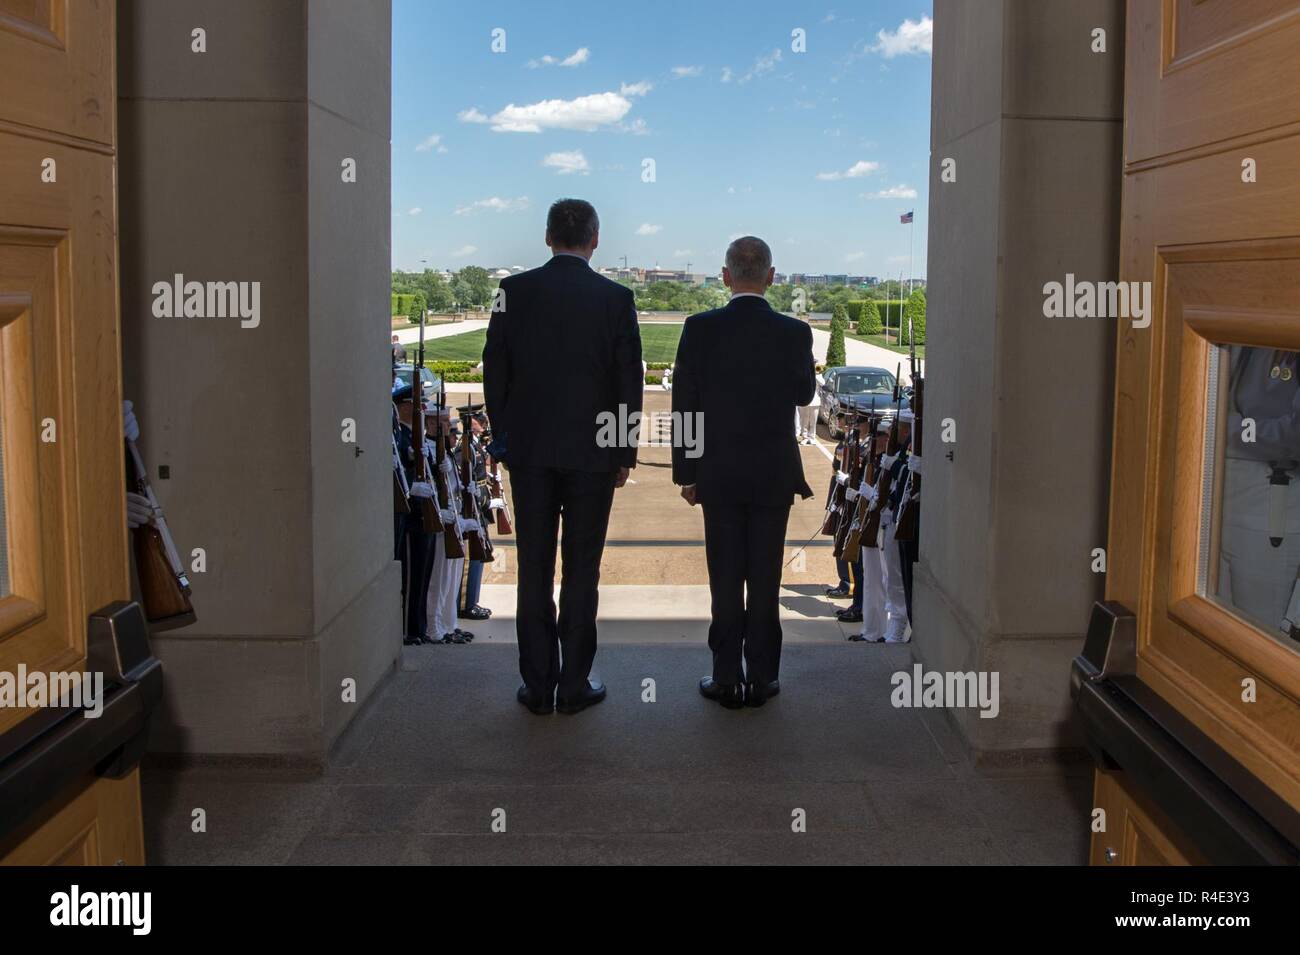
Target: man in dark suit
{"type": "Point", "coordinates": [563, 357]}
{"type": "Point", "coordinates": [743, 370]}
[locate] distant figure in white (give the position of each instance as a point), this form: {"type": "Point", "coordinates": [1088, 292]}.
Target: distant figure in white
{"type": "Point", "coordinates": [666, 382]}
{"type": "Point", "coordinates": [806, 417]}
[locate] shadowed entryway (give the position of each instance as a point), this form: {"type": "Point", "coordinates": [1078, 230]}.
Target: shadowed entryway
{"type": "Point", "coordinates": [680, 780]}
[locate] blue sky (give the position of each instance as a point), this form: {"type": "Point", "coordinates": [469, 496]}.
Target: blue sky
{"type": "Point", "coordinates": [818, 151]}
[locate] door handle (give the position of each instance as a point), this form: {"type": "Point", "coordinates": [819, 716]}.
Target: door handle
{"type": "Point", "coordinates": [56, 746]}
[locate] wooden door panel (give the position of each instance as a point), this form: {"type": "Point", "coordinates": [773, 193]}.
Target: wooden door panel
{"type": "Point", "coordinates": [1207, 71]}
{"type": "Point", "coordinates": [1208, 84]}
{"type": "Point", "coordinates": [59, 66]}
{"type": "Point", "coordinates": [95, 823]}
{"type": "Point", "coordinates": [63, 537]}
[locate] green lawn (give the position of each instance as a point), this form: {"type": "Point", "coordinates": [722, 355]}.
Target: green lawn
{"type": "Point", "coordinates": [658, 344]}
{"type": "Point", "coordinates": [891, 343]}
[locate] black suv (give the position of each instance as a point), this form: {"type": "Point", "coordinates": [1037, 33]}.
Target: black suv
{"type": "Point", "coordinates": [855, 387]}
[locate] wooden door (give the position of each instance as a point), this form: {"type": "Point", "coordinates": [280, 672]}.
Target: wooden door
{"type": "Point", "coordinates": [1211, 218]}
{"type": "Point", "coordinates": [63, 549]}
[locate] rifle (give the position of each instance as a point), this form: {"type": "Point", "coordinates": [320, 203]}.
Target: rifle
{"type": "Point", "coordinates": [164, 587]}
{"type": "Point", "coordinates": [480, 547]}
{"type": "Point", "coordinates": [884, 479]}
{"type": "Point", "coordinates": [428, 507]}
{"type": "Point", "coordinates": [452, 545]}
{"type": "Point", "coordinates": [853, 540]}
{"type": "Point", "coordinates": [835, 496]}
{"type": "Point", "coordinates": [498, 492]}
{"type": "Point", "coordinates": [909, 511]}
{"type": "Point", "coordinates": [849, 494]}
{"type": "Point", "coordinates": [401, 490]}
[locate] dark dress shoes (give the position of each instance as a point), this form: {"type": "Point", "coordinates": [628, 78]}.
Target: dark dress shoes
{"type": "Point", "coordinates": [467, 637]}
{"type": "Point", "coordinates": [412, 641]}
{"type": "Point", "coordinates": [838, 593]}
{"type": "Point", "coordinates": [475, 613]}
{"type": "Point", "coordinates": [730, 695]}
{"type": "Point", "coordinates": [535, 701]}
{"type": "Point", "coordinates": [850, 616]}
{"type": "Point", "coordinates": [756, 694]}
{"type": "Point", "coordinates": [592, 694]}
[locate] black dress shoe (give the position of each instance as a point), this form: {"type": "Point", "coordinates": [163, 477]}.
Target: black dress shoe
{"type": "Point", "coordinates": [536, 702]}
{"type": "Point", "coordinates": [412, 641]}
{"type": "Point", "coordinates": [475, 613]}
{"type": "Point", "coordinates": [454, 637]}
{"type": "Point", "coordinates": [850, 616]}
{"type": "Point", "coordinates": [836, 593]}
{"type": "Point", "coordinates": [593, 694]}
{"type": "Point", "coordinates": [466, 636]}
{"type": "Point", "coordinates": [730, 695]}
{"type": "Point", "coordinates": [756, 694]}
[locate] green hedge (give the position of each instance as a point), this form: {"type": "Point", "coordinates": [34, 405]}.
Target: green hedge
{"type": "Point", "coordinates": [402, 303]}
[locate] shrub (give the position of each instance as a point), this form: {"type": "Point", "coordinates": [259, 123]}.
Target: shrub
{"type": "Point", "coordinates": [916, 313]}
{"type": "Point", "coordinates": [869, 318]}
{"type": "Point", "coordinates": [417, 308]}
{"type": "Point", "coordinates": [839, 322]}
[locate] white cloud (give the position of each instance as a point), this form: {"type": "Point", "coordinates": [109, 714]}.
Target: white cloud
{"type": "Point", "coordinates": [494, 204]}
{"type": "Point", "coordinates": [576, 58]}
{"type": "Point", "coordinates": [585, 114]}
{"type": "Point", "coordinates": [681, 72]}
{"type": "Point", "coordinates": [855, 256]}
{"type": "Point", "coordinates": [431, 143]}
{"type": "Point", "coordinates": [568, 163]}
{"type": "Point", "coordinates": [677, 253]}
{"type": "Point", "coordinates": [645, 228]}
{"type": "Point", "coordinates": [464, 250]}
{"type": "Point", "coordinates": [637, 127]}
{"type": "Point", "coordinates": [856, 171]}
{"type": "Point", "coordinates": [414, 212]}
{"type": "Point", "coordinates": [636, 89]}
{"type": "Point", "coordinates": [764, 64]}
{"type": "Point", "coordinates": [893, 192]}
{"type": "Point", "coordinates": [726, 74]}
{"type": "Point", "coordinates": [911, 37]}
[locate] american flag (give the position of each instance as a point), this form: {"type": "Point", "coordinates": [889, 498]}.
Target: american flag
{"type": "Point", "coordinates": [905, 218]}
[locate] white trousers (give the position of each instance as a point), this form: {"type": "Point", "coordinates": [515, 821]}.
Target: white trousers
{"type": "Point", "coordinates": [884, 600]}
{"type": "Point", "coordinates": [443, 586]}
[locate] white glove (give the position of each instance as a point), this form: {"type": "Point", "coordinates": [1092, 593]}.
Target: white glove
{"type": "Point", "coordinates": [887, 461]}
{"type": "Point", "coordinates": [914, 464]}
{"type": "Point", "coordinates": [496, 504]}
{"type": "Point", "coordinates": [138, 511]}
{"type": "Point", "coordinates": [850, 494]}
{"type": "Point", "coordinates": [447, 515]}
{"type": "Point", "coordinates": [446, 466]}
{"type": "Point", "coordinates": [130, 426]}
{"type": "Point", "coordinates": [470, 526]}
{"type": "Point", "coordinates": [840, 477]}
{"type": "Point", "coordinates": [421, 489]}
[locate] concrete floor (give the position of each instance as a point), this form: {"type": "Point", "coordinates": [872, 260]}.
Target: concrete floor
{"type": "Point", "coordinates": [419, 775]}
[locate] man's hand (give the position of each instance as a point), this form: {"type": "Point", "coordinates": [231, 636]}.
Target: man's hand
{"type": "Point", "coordinates": [138, 511]}
{"type": "Point", "coordinates": [621, 478]}
{"type": "Point", "coordinates": [688, 494]}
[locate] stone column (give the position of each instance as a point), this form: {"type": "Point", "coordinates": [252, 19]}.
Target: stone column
{"type": "Point", "coordinates": [1033, 119]}
{"type": "Point", "coordinates": [232, 170]}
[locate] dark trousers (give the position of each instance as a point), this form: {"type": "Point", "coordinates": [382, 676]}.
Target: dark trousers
{"type": "Point", "coordinates": [558, 652]}
{"type": "Point", "coordinates": [744, 545]}
{"type": "Point", "coordinates": [467, 596]}
{"type": "Point", "coordinates": [858, 581]}
{"type": "Point", "coordinates": [907, 552]}
{"type": "Point", "coordinates": [417, 567]}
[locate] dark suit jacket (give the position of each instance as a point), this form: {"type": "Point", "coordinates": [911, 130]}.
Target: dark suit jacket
{"type": "Point", "coordinates": [565, 349]}
{"type": "Point", "coordinates": [746, 368]}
